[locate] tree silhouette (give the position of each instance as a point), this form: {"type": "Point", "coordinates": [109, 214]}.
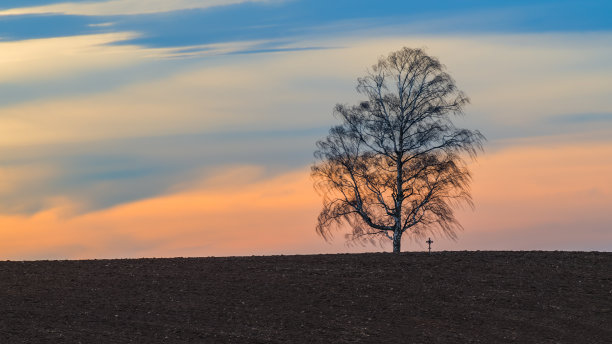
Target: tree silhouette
{"type": "Point", "coordinates": [396, 162]}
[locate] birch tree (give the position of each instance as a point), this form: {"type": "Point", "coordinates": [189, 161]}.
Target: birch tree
{"type": "Point", "coordinates": [396, 163]}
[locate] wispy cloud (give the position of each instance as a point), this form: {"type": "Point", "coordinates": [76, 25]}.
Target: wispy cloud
{"type": "Point", "coordinates": [184, 23]}
{"type": "Point", "coordinates": [172, 121]}
{"type": "Point", "coordinates": [582, 118]}
{"type": "Point", "coordinates": [101, 174]}
{"type": "Point", "coordinates": [48, 58]}
{"type": "Point", "coordinates": [123, 7]}
{"type": "Point", "coordinates": [526, 198]}
{"type": "Point", "coordinates": [280, 212]}
{"type": "Point", "coordinates": [107, 24]}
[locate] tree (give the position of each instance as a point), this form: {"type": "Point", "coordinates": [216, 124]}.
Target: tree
{"type": "Point", "coordinates": [396, 163]}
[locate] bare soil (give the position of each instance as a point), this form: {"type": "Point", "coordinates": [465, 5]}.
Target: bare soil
{"type": "Point", "coordinates": [443, 297]}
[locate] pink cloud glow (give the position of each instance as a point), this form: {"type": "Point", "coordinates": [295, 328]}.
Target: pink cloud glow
{"type": "Point", "coordinates": [542, 197]}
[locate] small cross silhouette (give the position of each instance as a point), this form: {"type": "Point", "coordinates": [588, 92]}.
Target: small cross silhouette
{"type": "Point", "coordinates": [429, 242]}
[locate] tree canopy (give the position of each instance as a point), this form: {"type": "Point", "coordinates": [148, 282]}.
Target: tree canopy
{"type": "Point", "coordinates": [396, 163]}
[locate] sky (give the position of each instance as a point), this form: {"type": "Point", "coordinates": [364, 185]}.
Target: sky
{"type": "Point", "coordinates": [154, 128]}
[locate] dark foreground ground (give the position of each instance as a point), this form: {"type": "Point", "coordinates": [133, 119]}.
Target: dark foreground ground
{"type": "Point", "coordinates": [446, 297]}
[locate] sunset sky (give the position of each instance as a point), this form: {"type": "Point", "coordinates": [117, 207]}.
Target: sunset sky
{"type": "Point", "coordinates": [156, 128]}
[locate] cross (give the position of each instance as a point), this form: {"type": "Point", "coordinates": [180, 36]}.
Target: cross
{"type": "Point", "coordinates": [429, 242]}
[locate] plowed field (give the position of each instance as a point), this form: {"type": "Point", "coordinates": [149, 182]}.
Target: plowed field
{"type": "Point", "coordinates": [443, 297]}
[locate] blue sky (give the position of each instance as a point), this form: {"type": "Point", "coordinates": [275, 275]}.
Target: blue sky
{"type": "Point", "coordinates": [274, 19]}
{"type": "Point", "coordinates": [269, 26]}
{"type": "Point", "coordinates": [104, 104]}
{"type": "Point", "coordinates": [288, 20]}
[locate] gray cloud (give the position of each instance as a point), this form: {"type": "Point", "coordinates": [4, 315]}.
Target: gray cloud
{"type": "Point", "coordinates": [581, 118]}
{"type": "Point", "coordinates": [106, 173]}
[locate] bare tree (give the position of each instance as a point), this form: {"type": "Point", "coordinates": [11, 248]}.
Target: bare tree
{"type": "Point", "coordinates": [396, 162]}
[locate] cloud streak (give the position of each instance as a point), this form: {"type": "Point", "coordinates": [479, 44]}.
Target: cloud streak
{"type": "Point", "coordinates": [123, 7]}
{"type": "Point", "coordinates": [153, 131]}
{"type": "Point", "coordinates": [526, 198]}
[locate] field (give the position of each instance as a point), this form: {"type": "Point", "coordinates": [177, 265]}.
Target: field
{"type": "Point", "coordinates": [443, 297]}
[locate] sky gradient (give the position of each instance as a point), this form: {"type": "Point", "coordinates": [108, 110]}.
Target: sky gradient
{"type": "Point", "coordinates": [135, 128]}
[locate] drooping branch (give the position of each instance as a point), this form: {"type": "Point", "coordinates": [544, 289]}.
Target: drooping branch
{"type": "Point", "coordinates": [395, 163]}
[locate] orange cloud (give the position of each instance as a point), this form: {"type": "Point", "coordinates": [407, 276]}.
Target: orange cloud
{"type": "Point", "coordinates": [225, 216]}
{"type": "Point", "coordinates": [541, 197]}
{"type": "Point", "coordinates": [527, 198]}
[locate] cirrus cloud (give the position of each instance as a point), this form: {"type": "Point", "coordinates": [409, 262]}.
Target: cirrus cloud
{"type": "Point", "coordinates": [123, 7]}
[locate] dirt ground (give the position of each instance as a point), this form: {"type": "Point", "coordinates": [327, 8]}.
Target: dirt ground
{"type": "Point", "coordinates": [445, 297]}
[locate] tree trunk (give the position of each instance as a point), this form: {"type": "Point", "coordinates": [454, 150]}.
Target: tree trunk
{"type": "Point", "coordinates": [397, 241]}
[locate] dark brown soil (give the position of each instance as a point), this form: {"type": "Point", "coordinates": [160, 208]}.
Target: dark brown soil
{"type": "Point", "coordinates": [445, 297]}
